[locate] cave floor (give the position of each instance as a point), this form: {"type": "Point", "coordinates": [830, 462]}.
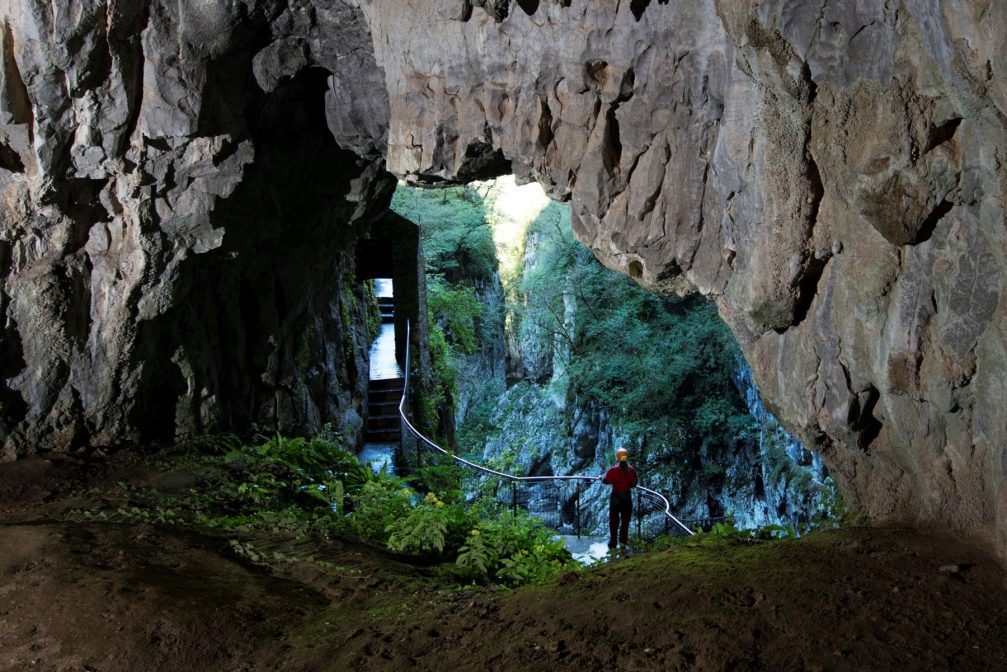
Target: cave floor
{"type": "Point", "coordinates": [143, 596]}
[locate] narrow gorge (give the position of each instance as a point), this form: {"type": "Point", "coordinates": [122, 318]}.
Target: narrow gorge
{"type": "Point", "coordinates": [556, 361]}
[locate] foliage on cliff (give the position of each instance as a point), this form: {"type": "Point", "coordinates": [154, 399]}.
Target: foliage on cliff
{"type": "Point", "coordinates": [660, 364]}
{"type": "Point", "coordinates": [460, 259]}
{"type": "Point", "coordinates": [591, 359]}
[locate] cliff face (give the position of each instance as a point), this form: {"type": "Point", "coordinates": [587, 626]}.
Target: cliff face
{"type": "Point", "coordinates": [833, 174]}
{"type": "Point", "coordinates": [177, 225]}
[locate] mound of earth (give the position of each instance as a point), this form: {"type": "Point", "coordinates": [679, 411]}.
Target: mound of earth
{"type": "Point", "coordinates": [135, 595]}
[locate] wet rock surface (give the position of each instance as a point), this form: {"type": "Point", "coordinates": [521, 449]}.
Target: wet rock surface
{"type": "Point", "coordinates": [832, 174]}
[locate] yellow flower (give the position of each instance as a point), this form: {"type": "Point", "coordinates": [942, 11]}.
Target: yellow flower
{"type": "Point", "coordinates": [475, 533]}
{"type": "Point", "coordinates": [439, 503]}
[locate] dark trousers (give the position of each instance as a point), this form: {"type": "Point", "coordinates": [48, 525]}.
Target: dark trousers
{"type": "Point", "coordinates": [620, 510]}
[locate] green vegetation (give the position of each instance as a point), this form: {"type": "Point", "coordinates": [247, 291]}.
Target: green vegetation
{"type": "Point", "coordinates": [513, 550]}
{"type": "Point", "coordinates": [456, 241]}
{"type": "Point", "coordinates": [456, 311]}
{"type": "Point", "coordinates": [480, 419]}
{"type": "Point", "coordinates": [273, 483]}
{"type": "Point", "coordinates": [460, 259]}
{"type": "Point", "coordinates": [587, 345]}
{"type": "Point", "coordinates": [314, 488]}
{"type": "Point", "coordinates": [373, 311]}
{"type": "Point", "coordinates": [661, 365]}
{"type": "Point", "coordinates": [437, 396]}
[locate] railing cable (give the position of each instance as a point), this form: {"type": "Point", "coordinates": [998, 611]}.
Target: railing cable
{"type": "Point", "coordinates": [670, 524]}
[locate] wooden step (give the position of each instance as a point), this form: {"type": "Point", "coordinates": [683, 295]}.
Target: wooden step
{"type": "Point", "coordinates": [386, 384]}
{"type": "Point", "coordinates": [382, 422]}
{"type": "Point", "coordinates": [383, 407]}
{"type": "Point", "coordinates": [384, 436]}
{"type": "Point", "coordinates": [383, 396]}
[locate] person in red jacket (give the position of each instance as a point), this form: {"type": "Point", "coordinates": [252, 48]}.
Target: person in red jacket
{"type": "Point", "coordinates": [622, 478]}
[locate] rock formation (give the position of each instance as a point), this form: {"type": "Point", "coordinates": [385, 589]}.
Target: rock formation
{"type": "Point", "coordinates": [833, 174]}
{"type": "Point", "coordinates": [177, 226]}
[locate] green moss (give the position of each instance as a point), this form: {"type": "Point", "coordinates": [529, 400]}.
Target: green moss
{"type": "Point", "coordinates": [370, 299]}
{"type": "Point", "coordinates": [440, 391]}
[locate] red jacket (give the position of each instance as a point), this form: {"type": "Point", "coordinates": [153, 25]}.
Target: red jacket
{"type": "Point", "coordinates": [619, 480]}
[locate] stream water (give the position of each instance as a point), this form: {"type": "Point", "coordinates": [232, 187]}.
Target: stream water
{"type": "Point", "coordinates": [585, 550]}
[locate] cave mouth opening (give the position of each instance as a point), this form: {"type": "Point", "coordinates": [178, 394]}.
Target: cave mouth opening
{"type": "Point", "coordinates": [557, 360]}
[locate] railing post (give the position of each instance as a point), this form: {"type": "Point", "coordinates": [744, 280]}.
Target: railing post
{"type": "Point", "coordinates": [639, 514]}
{"type": "Point", "coordinates": [513, 498]}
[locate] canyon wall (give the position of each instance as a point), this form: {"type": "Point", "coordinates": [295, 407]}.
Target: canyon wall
{"type": "Point", "coordinates": [831, 173]}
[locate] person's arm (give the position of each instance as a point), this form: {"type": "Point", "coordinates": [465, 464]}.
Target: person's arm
{"type": "Point", "coordinates": [633, 478]}
{"type": "Point", "coordinates": [606, 478]}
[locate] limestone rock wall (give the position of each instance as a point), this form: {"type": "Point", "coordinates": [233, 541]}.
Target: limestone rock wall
{"type": "Point", "coordinates": [832, 173]}
{"type": "Point", "coordinates": [177, 221]}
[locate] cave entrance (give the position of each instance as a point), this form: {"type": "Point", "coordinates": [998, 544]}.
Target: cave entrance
{"type": "Point", "coordinates": [390, 256]}
{"type": "Point", "coordinates": [555, 361]}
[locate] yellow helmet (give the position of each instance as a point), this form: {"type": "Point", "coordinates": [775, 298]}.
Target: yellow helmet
{"type": "Point", "coordinates": [622, 454]}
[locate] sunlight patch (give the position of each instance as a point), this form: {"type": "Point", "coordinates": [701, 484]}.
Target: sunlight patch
{"type": "Point", "coordinates": [511, 209]}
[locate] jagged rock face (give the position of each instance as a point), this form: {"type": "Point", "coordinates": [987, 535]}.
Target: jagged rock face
{"type": "Point", "coordinates": [833, 174]}
{"type": "Point", "coordinates": [177, 222]}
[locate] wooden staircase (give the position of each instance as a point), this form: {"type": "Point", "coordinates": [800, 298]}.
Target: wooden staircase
{"type": "Point", "coordinates": [387, 306]}
{"type": "Point", "coordinates": [383, 410]}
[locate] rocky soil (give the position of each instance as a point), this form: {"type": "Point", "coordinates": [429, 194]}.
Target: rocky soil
{"type": "Point", "coordinates": [133, 595]}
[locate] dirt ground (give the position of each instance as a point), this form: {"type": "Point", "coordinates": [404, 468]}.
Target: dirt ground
{"type": "Point", "coordinates": [109, 596]}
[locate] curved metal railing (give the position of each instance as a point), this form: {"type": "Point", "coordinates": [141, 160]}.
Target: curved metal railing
{"type": "Point", "coordinates": [567, 504]}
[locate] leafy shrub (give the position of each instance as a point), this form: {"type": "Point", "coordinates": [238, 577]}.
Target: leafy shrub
{"type": "Point", "coordinates": [445, 479]}
{"type": "Point", "coordinates": [834, 511]}
{"type": "Point", "coordinates": [213, 443]}
{"type": "Point", "coordinates": [513, 550]}
{"type": "Point", "coordinates": [278, 471]}
{"type": "Point", "coordinates": [275, 483]}
{"type": "Point", "coordinates": [457, 311]}
{"type": "Point", "coordinates": [422, 530]}
{"type": "Point", "coordinates": [378, 505]}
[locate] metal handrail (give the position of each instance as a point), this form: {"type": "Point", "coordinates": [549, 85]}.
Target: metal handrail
{"type": "Point", "coordinates": [680, 527]}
